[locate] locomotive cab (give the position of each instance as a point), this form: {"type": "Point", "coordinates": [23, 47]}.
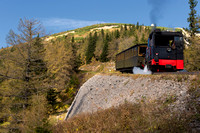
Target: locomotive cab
{"type": "Point", "coordinates": [165, 51]}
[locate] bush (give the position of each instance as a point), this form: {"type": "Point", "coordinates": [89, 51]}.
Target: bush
{"type": "Point", "coordinates": [127, 118]}
{"type": "Point", "coordinates": [192, 55]}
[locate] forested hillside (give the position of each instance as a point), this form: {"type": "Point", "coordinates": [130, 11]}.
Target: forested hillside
{"type": "Point", "coordinates": [40, 76]}
{"type": "Point", "coordinates": [103, 41]}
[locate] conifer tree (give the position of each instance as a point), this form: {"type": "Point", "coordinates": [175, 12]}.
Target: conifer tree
{"type": "Point", "coordinates": [91, 47]}
{"type": "Point", "coordinates": [77, 60]}
{"type": "Point", "coordinates": [125, 31]}
{"type": "Point", "coordinates": [193, 17]}
{"type": "Point", "coordinates": [143, 39]}
{"type": "Point", "coordinates": [102, 33]}
{"type": "Point", "coordinates": [72, 39]}
{"type": "Point", "coordinates": [121, 28]}
{"type": "Point", "coordinates": [89, 53]}
{"type": "Point", "coordinates": [140, 28]}
{"type": "Point", "coordinates": [52, 99]}
{"type": "Point", "coordinates": [137, 26]}
{"type": "Point", "coordinates": [28, 75]}
{"type": "Point", "coordinates": [136, 39]}
{"type": "Point", "coordinates": [132, 30]}
{"type": "Point", "coordinates": [125, 27]}
{"type": "Point", "coordinates": [37, 64]}
{"type": "Point", "coordinates": [104, 54]}
{"type": "Point", "coordinates": [95, 39]}
{"type": "Point", "coordinates": [117, 34]}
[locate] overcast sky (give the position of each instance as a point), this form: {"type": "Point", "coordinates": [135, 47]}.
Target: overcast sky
{"type": "Point", "coordinates": [62, 15]}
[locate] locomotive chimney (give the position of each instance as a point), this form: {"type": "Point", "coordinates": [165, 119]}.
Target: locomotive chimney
{"type": "Point", "coordinates": [153, 27]}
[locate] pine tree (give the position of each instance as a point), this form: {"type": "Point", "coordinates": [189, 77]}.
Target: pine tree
{"type": "Point", "coordinates": [137, 26]}
{"type": "Point", "coordinates": [89, 53]}
{"type": "Point", "coordinates": [121, 28]}
{"type": "Point", "coordinates": [37, 64]}
{"type": "Point", "coordinates": [102, 33]}
{"type": "Point", "coordinates": [125, 31]}
{"type": "Point", "coordinates": [95, 39]}
{"type": "Point", "coordinates": [77, 60]}
{"type": "Point", "coordinates": [104, 54]}
{"type": "Point", "coordinates": [117, 34]}
{"type": "Point", "coordinates": [125, 27]}
{"type": "Point", "coordinates": [140, 28]}
{"type": "Point", "coordinates": [131, 30]}
{"type": "Point", "coordinates": [193, 17]}
{"type": "Point", "coordinates": [136, 39]}
{"type": "Point", "coordinates": [143, 39]}
{"type": "Point", "coordinates": [72, 39]}
{"type": "Point", "coordinates": [52, 99]}
{"type": "Point", "coordinates": [91, 47]}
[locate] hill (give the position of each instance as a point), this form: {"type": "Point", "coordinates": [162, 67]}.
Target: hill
{"type": "Point", "coordinates": [48, 70]}
{"type": "Point", "coordinates": [133, 103]}
{"type": "Point", "coordinates": [57, 66]}
{"type": "Point", "coordinates": [104, 91]}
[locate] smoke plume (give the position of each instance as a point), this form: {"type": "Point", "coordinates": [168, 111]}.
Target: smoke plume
{"type": "Point", "coordinates": [137, 70]}
{"type": "Point", "coordinates": [156, 12]}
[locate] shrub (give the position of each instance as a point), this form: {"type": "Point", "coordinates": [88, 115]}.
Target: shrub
{"type": "Point", "coordinates": [192, 55]}
{"type": "Point", "coordinates": [127, 118]}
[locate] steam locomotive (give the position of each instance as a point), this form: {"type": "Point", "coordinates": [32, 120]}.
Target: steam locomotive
{"type": "Point", "coordinates": [164, 52]}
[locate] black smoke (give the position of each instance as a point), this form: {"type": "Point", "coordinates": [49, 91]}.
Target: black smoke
{"type": "Point", "coordinates": [156, 12]}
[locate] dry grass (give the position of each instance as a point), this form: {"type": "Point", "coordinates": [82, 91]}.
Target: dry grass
{"type": "Point", "coordinates": [142, 117]}
{"type": "Point", "coordinates": [195, 99]}
{"type": "Point", "coordinates": [99, 67]}
{"type": "Point", "coordinates": [126, 118]}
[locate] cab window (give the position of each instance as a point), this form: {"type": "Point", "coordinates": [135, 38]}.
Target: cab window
{"type": "Point", "coordinates": [142, 51]}
{"type": "Point", "coordinates": [176, 39]}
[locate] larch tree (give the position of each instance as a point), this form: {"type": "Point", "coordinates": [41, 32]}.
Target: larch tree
{"type": "Point", "coordinates": [26, 71]}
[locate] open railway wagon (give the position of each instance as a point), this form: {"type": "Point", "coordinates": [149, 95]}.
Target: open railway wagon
{"type": "Point", "coordinates": [165, 51]}
{"type": "Point", "coordinates": [131, 57]}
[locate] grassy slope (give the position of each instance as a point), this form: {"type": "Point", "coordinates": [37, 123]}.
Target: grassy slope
{"type": "Point", "coordinates": [141, 117]}
{"type": "Point", "coordinates": [125, 118]}
{"type": "Point", "coordinates": [81, 33]}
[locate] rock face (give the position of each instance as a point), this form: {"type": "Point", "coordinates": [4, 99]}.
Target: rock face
{"type": "Point", "coordinates": [103, 91]}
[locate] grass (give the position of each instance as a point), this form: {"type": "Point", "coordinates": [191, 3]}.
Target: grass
{"type": "Point", "coordinates": [194, 91]}
{"type": "Point", "coordinates": [128, 117]}
{"type": "Point", "coordinates": [154, 116]}
{"type": "Point", "coordinates": [99, 67]}
{"type": "Point", "coordinates": [88, 28]}
{"type": "Point", "coordinates": [83, 30]}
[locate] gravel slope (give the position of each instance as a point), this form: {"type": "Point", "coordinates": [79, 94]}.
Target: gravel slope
{"type": "Point", "coordinates": [103, 91]}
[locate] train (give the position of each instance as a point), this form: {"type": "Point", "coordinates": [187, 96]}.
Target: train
{"type": "Point", "coordinates": [163, 52]}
